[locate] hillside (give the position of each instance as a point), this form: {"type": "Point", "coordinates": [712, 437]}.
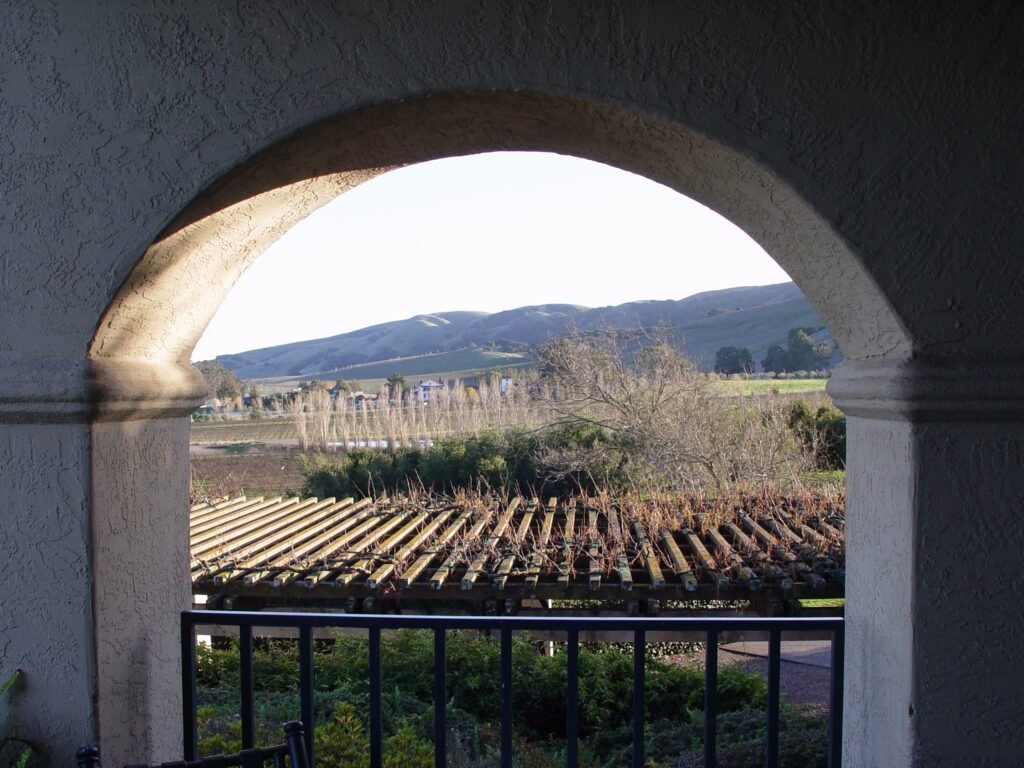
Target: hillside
{"type": "Point", "coordinates": [753, 317]}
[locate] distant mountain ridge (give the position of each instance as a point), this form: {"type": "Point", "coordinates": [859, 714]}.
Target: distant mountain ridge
{"type": "Point", "coordinates": [754, 317]}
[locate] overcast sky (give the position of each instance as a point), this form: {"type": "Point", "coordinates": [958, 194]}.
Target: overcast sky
{"type": "Point", "coordinates": [487, 232]}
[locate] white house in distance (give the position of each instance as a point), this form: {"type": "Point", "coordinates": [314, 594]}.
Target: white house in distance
{"type": "Point", "coordinates": [424, 389]}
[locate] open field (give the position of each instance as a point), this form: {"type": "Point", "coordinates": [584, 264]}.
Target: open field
{"type": "Point", "coordinates": [254, 470]}
{"type": "Point", "coordinates": [772, 386]}
{"type": "Point", "coordinates": [268, 430]}
{"type": "Point", "coordinates": [467, 376]}
{"type": "Point", "coordinates": [824, 602]}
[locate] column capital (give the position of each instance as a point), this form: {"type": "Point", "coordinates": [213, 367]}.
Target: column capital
{"type": "Point", "coordinates": [42, 390]}
{"type": "Point", "coordinates": [929, 390]}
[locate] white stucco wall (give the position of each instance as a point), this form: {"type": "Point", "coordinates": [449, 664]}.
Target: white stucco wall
{"type": "Point", "coordinates": [880, 595]}
{"type": "Point", "coordinates": [46, 618]}
{"type": "Point", "coordinates": [140, 552]}
{"type": "Point", "coordinates": [874, 153]}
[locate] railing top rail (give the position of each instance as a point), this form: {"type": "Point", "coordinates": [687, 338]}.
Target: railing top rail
{"type": "Point", "coordinates": [547, 623]}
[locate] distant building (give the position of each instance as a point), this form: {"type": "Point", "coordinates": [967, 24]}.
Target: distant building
{"type": "Point", "coordinates": [360, 400]}
{"type": "Point", "coordinates": [425, 389]}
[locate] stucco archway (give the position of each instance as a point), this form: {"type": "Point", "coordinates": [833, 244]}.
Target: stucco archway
{"type": "Point", "coordinates": [139, 356]}
{"type": "Point", "coordinates": [896, 125]}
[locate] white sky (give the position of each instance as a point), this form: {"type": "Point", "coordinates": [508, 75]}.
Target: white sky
{"type": "Point", "coordinates": [487, 232]}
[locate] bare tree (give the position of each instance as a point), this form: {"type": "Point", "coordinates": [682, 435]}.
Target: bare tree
{"type": "Point", "coordinates": [343, 418]}
{"type": "Point", "coordinates": [320, 407]}
{"type": "Point", "coordinates": [658, 409]}
{"type": "Point", "coordinates": [297, 408]}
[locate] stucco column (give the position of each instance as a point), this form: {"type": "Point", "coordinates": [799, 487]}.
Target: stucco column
{"type": "Point", "coordinates": [935, 623]}
{"type": "Point", "coordinates": [94, 553]}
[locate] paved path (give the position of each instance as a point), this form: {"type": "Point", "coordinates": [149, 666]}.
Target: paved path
{"type": "Point", "coordinates": [815, 653]}
{"type": "Point", "coordinates": [805, 673]}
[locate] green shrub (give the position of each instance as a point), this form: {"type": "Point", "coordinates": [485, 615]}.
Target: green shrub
{"type": "Point", "coordinates": [602, 460]}
{"type": "Point", "coordinates": [822, 432]}
{"type": "Point", "coordinates": [342, 740]}
{"type": "Point", "coordinates": [803, 739]}
{"type": "Point", "coordinates": [405, 750]}
{"type": "Point", "coordinates": [361, 472]}
{"type": "Point", "coordinates": [218, 733]}
{"type": "Point", "coordinates": [674, 704]}
{"type": "Point", "coordinates": [509, 462]}
{"type": "Point", "coordinates": [464, 462]}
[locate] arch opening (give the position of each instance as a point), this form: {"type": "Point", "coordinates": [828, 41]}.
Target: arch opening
{"type": "Point", "coordinates": [139, 355]}
{"type": "Point", "coordinates": [176, 287]}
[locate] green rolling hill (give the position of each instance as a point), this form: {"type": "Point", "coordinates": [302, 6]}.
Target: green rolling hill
{"type": "Point", "coordinates": [753, 317]}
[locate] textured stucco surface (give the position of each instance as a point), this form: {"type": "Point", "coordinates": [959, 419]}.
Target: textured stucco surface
{"type": "Point", "coordinates": [968, 609]}
{"type": "Point", "coordinates": [934, 617]}
{"type": "Point", "coordinates": [46, 585]}
{"type": "Point", "coordinates": [880, 594]}
{"type": "Point", "coordinates": [140, 550]}
{"type": "Point", "coordinates": [149, 151]}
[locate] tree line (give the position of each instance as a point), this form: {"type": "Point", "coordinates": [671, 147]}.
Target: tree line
{"type": "Point", "coordinates": [799, 354]}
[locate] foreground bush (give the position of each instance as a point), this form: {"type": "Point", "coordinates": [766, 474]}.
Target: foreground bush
{"type": "Point", "coordinates": [822, 433]}
{"type": "Point", "coordinates": [511, 461]}
{"type": "Point", "coordinates": [674, 704]}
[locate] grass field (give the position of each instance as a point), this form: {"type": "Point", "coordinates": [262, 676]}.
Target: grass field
{"type": "Point", "coordinates": [772, 386]}
{"type": "Point", "coordinates": [833, 602]}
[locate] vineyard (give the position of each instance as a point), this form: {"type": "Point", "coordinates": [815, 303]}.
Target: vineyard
{"type": "Point", "coordinates": [388, 553]}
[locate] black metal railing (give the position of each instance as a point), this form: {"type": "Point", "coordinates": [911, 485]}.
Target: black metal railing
{"type": "Point", "coordinates": [711, 628]}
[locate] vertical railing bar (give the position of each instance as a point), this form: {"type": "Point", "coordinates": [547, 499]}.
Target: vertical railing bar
{"type": "Point", "coordinates": [639, 651]}
{"type": "Point", "coordinates": [506, 697]}
{"type": "Point", "coordinates": [835, 707]}
{"type": "Point", "coordinates": [440, 700]}
{"type": "Point", "coordinates": [774, 668]}
{"type": "Point", "coordinates": [711, 700]}
{"type": "Point", "coordinates": [376, 728]}
{"type": "Point", "coordinates": [246, 679]}
{"type": "Point", "coordinates": [189, 692]}
{"type": "Point", "coordinates": [572, 693]}
{"type": "Point", "coordinates": [306, 683]}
